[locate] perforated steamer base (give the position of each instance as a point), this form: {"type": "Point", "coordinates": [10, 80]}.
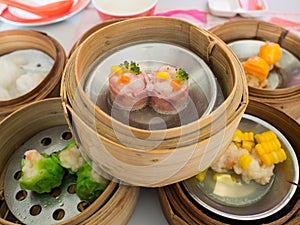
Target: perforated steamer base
{"type": "Point", "coordinates": [49, 208]}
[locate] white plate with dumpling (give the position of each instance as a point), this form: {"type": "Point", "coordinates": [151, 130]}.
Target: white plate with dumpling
{"type": "Point", "coordinates": [22, 71]}
{"type": "Point", "coordinates": [229, 196]}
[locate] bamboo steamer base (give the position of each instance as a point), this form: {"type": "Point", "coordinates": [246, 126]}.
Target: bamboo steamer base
{"type": "Point", "coordinates": [116, 204]}
{"type": "Point", "coordinates": [180, 209]}
{"type": "Point", "coordinates": [14, 40]}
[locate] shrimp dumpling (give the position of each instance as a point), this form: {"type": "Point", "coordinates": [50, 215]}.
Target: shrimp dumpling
{"type": "Point", "coordinates": [9, 72]}
{"type": "Point", "coordinates": [4, 95]}
{"type": "Point", "coordinates": [28, 81]}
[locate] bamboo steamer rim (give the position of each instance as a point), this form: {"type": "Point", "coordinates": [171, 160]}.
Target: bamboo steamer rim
{"type": "Point", "coordinates": [265, 31]}
{"type": "Point", "coordinates": [154, 20]}
{"type": "Point", "coordinates": [14, 40]}
{"type": "Point", "coordinates": [53, 107]}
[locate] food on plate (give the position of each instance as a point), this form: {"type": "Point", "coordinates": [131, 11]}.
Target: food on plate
{"type": "Point", "coordinates": [169, 89]}
{"type": "Point", "coordinates": [253, 156]}
{"type": "Point", "coordinates": [127, 85]}
{"type": "Point", "coordinates": [22, 71]}
{"type": "Point", "coordinates": [89, 184]}
{"type": "Point", "coordinates": [258, 67]}
{"type": "Point", "coordinates": [69, 157]}
{"type": "Point", "coordinates": [40, 172]}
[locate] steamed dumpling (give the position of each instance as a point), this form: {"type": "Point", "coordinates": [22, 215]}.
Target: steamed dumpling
{"type": "Point", "coordinates": [4, 95]}
{"type": "Point", "coordinates": [28, 81]}
{"type": "Point", "coordinates": [9, 72]}
{"type": "Point", "coordinates": [31, 60]}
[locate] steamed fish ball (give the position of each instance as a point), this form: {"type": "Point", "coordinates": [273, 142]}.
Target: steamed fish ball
{"type": "Point", "coordinates": [9, 72]}
{"type": "Point", "coordinates": [4, 95]}
{"type": "Point", "coordinates": [28, 81]}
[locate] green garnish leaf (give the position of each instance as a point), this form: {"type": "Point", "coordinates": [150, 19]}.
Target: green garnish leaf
{"type": "Point", "coordinates": [181, 75]}
{"type": "Point", "coordinates": [131, 67]}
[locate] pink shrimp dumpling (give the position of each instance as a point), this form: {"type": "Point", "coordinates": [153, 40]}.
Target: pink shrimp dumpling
{"type": "Point", "coordinates": [127, 86]}
{"type": "Point", "coordinates": [169, 90]}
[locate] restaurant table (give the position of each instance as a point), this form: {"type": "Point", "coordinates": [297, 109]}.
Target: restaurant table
{"type": "Point", "coordinates": [284, 13]}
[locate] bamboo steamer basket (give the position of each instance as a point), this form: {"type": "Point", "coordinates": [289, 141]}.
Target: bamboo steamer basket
{"type": "Point", "coordinates": [14, 40]}
{"type": "Point", "coordinates": [183, 145]}
{"type": "Point", "coordinates": [115, 205]}
{"type": "Point", "coordinates": [180, 209]}
{"type": "Point", "coordinates": [284, 98]}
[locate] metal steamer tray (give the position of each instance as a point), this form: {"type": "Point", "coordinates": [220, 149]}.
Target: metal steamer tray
{"type": "Point", "coordinates": [249, 202]}
{"type": "Point", "coordinates": [31, 208]}
{"type": "Point", "coordinates": [203, 87]}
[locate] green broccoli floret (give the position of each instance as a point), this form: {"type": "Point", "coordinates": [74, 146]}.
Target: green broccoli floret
{"type": "Point", "coordinates": [69, 157]}
{"type": "Point", "coordinates": [181, 75]}
{"type": "Point", "coordinates": [89, 184]}
{"type": "Point", "coordinates": [131, 67]}
{"type": "Point", "coordinates": [39, 172]}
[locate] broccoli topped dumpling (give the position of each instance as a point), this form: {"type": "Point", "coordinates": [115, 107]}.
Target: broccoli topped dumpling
{"type": "Point", "coordinates": [39, 172]}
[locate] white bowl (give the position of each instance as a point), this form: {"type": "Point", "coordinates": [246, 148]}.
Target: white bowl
{"type": "Point", "coordinates": [108, 9]}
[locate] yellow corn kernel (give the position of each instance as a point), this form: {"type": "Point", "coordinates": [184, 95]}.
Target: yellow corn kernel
{"type": "Point", "coordinates": [268, 146]}
{"type": "Point", "coordinates": [245, 161]}
{"type": "Point", "coordinates": [273, 157]}
{"type": "Point", "coordinates": [265, 136]}
{"type": "Point", "coordinates": [116, 70]}
{"type": "Point", "coordinates": [201, 176]}
{"type": "Point", "coordinates": [248, 136]}
{"type": "Point", "coordinates": [163, 75]}
{"type": "Point", "coordinates": [257, 67]}
{"type": "Point", "coordinates": [248, 145]}
{"type": "Point", "coordinates": [237, 136]}
{"type": "Point", "coordinates": [270, 52]}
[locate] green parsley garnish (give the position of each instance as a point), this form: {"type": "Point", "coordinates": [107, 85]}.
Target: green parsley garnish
{"type": "Point", "coordinates": [131, 67]}
{"type": "Point", "coordinates": [181, 75]}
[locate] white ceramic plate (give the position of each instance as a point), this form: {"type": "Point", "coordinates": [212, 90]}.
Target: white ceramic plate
{"type": "Point", "coordinates": [21, 18]}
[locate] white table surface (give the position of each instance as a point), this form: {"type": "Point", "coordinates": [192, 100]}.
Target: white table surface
{"type": "Point", "coordinates": [148, 210]}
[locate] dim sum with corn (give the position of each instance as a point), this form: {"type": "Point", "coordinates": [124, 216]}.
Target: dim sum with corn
{"type": "Point", "coordinates": [40, 172]}
{"type": "Point", "coordinates": [253, 156]}
{"type": "Point", "coordinates": [89, 184]}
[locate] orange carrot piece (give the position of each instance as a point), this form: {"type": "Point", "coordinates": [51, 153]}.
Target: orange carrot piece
{"type": "Point", "coordinates": [175, 84]}
{"type": "Point", "coordinates": [124, 79]}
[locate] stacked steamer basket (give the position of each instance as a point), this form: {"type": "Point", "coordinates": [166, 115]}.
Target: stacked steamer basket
{"type": "Point", "coordinates": [180, 207]}
{"type": "Point", "coordinates": [156, 157]}
{"type": "Point", "coordinates": [42, 125]}
{"type": "Point", "coordinates": [248, 34]}
{"type": "Point", "coordinates": [15, 40]}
